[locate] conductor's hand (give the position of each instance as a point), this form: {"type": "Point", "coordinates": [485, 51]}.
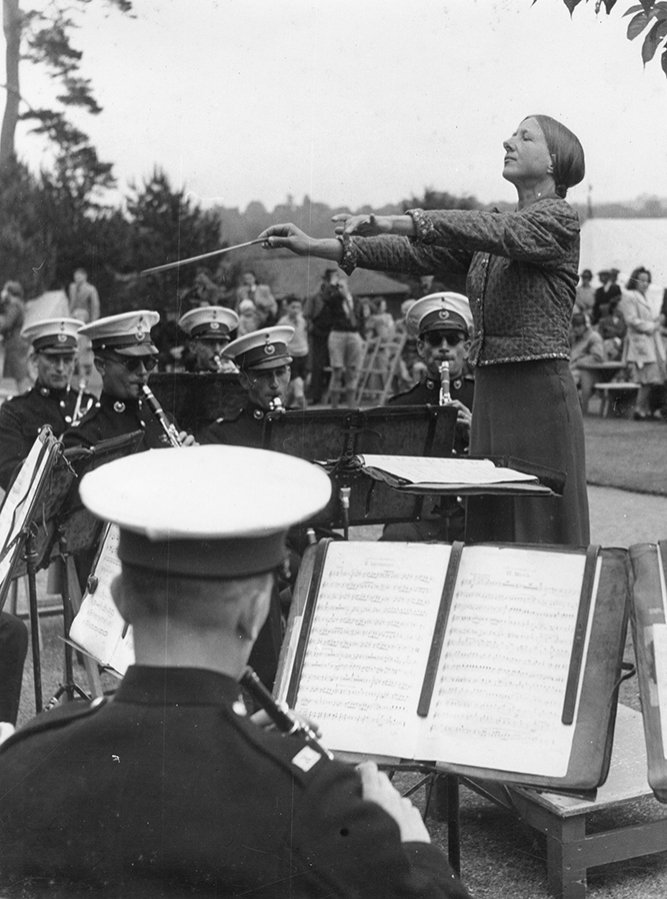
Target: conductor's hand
{"type": "Point", "coordinates": [376, 787]}
{"type": "Point", "coordinates": [363, 225]}
{"type": "Point", "coordinates": [288, 236]}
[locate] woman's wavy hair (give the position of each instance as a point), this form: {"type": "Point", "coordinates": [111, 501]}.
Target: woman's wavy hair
{"type": "Point", "coordinates": [633, 280]}
{"type": "Point", "coordinates": [567, 154]}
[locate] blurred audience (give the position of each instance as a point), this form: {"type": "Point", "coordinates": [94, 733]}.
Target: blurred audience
{"type": "Point", "coordinates": [12, 313]}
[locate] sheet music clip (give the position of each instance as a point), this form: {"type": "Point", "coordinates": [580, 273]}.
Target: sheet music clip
{"type": "Point", "coordinates": [91, 584]}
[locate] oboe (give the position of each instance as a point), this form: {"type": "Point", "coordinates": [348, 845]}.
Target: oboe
{"type": "Point", "coordinates": [167, 426]}
{"type": "Point", "coordinates": [282, 716]}
{"type": "Point", "coordinates": [445, 395]}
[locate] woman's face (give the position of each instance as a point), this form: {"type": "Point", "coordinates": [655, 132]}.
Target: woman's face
{"type": "Point", "coordinates": [643, 282]}
{"type": "Point", "coordinates": [527, 157]}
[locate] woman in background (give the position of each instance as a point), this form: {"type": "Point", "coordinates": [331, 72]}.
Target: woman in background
{"type": "Point", "coordinates": [522, 271]}
{"type": "Point", "coordinates": [645, 350]}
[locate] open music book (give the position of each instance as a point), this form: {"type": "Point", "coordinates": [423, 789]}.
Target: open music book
{"type": "Point", "coordinates": [493, 661]}
{"type": "Point", "coordinates": [649, 621]}
{"type": "Point", "coordinates": [98, 628]}
{"type": "Point", "coordinates": [454, 470]}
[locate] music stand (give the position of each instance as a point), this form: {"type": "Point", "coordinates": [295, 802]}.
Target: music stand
{"type": "Point", "coordinates": [75, 530]}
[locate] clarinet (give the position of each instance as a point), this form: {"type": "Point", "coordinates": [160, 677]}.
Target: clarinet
{"type": "Point", "coordinates": [276, 406]}
{"type": "Point", "coordinates": [167, 426]}
{"type": "Point", "coordinates": [445, 395]}
{"type": "Point", "coordinates": [282, 716]}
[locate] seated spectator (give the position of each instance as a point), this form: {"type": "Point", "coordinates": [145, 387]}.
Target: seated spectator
{"type": "Point", "coordinates": [585, 296]}
{"type": "Point", "coordinates": [586, 348]}
{"type": "Point", "coordinates": [12, 311]}
{"type": "Point", "coordinates": [260, 294]}
{"type": "Point", "coordinates": [612, 329]}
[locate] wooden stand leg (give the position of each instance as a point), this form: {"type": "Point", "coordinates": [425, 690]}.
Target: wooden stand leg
{"type": "Point", "coordinates": [565, 873]}
{"type": "Point", "coordinates": [31, 559]}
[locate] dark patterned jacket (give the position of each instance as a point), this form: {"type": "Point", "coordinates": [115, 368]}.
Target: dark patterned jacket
{"type": "Point", "coordinates": [22, 417]}
{"type": "Point", "coordinates": [522, 271]}
{"type": "Point", "coordinates": [169, 790]}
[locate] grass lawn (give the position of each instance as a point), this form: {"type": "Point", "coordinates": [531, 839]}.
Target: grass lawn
{"type": "Point", "coordinates": [630, 455]}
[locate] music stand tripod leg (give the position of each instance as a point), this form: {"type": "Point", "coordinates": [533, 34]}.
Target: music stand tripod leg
{"type": "Point", "coordinates": [31, 561]}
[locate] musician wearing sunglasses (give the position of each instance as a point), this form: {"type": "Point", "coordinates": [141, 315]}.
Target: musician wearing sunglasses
{"type": "Point", "coordinates": [124, 356]}
{"type": "Point", "coordinates": [442, 323]}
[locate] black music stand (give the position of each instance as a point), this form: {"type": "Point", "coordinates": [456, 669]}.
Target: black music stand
{"type": "Point", "coordinates": [71, 530]}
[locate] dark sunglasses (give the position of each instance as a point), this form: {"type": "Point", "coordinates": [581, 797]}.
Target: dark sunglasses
{"type": "Point", "coordinates": [435, 338]}
{"type": "Point", "coordinates": [134, 363]}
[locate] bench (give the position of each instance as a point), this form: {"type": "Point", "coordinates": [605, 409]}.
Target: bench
{"type": "Point", "coordinates": [571, 850]}
{"type": "Point", "coordinates": [617, 398]}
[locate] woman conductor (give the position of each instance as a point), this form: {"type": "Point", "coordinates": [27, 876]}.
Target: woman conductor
{"type": "Point", "coordinates": [522, 271]}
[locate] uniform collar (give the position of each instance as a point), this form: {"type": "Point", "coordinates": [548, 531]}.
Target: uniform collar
{"type": "Point", "coordinates": [144, 685]}
{"type": "Point", "coordinates": [108, 402]}
{"type": "Point", "coordinates": [42, 390]}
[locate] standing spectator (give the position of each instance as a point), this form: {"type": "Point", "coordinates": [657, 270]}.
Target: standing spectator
{"type": "Point", "coordinates": [380, 324]}
{"type": "Point", "coordinates": [646, 352]}
{"type": "Point", "coordinates": [341, 316]}
{"type": "Point", "coordinates": [606, 292]}
{"type": "Point", "coordinates": [584, 299]}
{"type": "Point", "coordinates": [260, 294]}
{"type": "Point", "coordinates": [298, 350]}
{"type": "Point", "coordinates": [12, 312]}
{"type": "Point", "coordinates": [248, 318]}
{"type": "Point", "coordinates": [318, 336]}
{"type": "Point", "coordinates": [84, 304]}
{"type": "Point", "coordinates": [586, 348]}
{"type": "Point", "coordinates": [612, 329]}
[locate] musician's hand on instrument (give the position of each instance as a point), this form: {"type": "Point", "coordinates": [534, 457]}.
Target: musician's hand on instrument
{"type": "Point", "coordinates": [288, 236]}
{"type": "Point", "coordinates": [464, 415]}
{"type": "Point", "coordinates": [362, 225]}
{"type": "Point", "coordinates": [262, 719]}
{"type": "Point", "coordinates": [376, 787]}
{"type": "Point", "coordinates": [187, 439]}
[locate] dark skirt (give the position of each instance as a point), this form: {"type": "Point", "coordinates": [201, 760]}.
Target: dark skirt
{"type": "Point", "coordinates": [530, 410]}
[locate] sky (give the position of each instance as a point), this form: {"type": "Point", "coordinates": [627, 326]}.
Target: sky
{"type": "Point", "coordinates": [361, 101]}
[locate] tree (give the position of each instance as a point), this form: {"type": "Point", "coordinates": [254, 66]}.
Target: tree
{"type": "Point", "coordinates": [43, 38]}
{"type": "Point", "coordinates": [649, 17]}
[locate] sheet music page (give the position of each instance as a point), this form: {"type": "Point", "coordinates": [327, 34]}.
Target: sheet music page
{"type": "Point", "coordinates": [369, 643]}
{"type": "Point", "coordinates": [19, 498]}
{"type": "Point", "coordinates": [503, 672]}
{"type": "Point", "coordinates": [660, 651]}
{"type": "Point", "coordinates": [99, 627]}
{"type": "Point", "coordinates": [427, 470]}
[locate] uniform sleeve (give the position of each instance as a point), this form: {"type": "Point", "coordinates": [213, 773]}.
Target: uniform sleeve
{"type": "Point", "coordinates": [400, 254]}
{"type": "Point", "coordinates": [353, 846]}
{"type": "Point", "coordinates": [541, 233]}
{"type": "Point", "coordinates": [12, 444]}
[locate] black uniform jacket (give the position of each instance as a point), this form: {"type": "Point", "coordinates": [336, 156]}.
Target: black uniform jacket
{"type": "Point", "coordinates": [110, 417]}
{"type": "Point", "coordinates": [22, 417]}
{"type": "Point", "coordinates": [427, 391]}
{"type": "Point", "coordinates": [167, 790]}
{"type": "Point", "coordinates": [242, 428]}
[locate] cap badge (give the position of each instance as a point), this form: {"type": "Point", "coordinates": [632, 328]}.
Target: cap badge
{"type": "Point", "coordinates": [443, 314]}
{"type": "Point", "coordinates": [140, 334]}
{"type": "Point", "coordinates": [214, 326]}
{"type": "Point", "coordinates": [269, 349]}
{"type": "Point", "coordinates": [62, 338]}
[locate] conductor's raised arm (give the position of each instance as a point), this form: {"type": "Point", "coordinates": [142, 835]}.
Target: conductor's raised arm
{"type": "Point", "coordinates": [289, 237]}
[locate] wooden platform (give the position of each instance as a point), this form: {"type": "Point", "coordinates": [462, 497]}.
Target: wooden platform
{"type": "Point", "coordinates": [570, 849]}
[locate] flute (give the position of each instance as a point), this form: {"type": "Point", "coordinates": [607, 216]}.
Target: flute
{"type": "Point", "coordinates": [445, 395]}
{"type": "Point", "coordinates": [281, 715]}
{"type": "Point", "coordinates": [168, 427]}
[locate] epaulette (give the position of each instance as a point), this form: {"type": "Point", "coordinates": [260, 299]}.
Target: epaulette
{"type": "Point", "coordinates": [292, 753]}
{"type": "Point", "coordinates": [59, 717]}
{"type": "Point", "coordinates": [230, 416]}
